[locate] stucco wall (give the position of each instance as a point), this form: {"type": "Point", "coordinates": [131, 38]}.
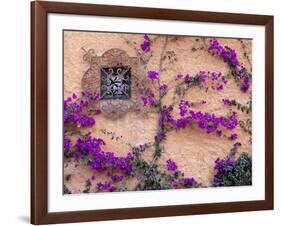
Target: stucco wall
{"type": "Point", "coordinates": [193, 150]}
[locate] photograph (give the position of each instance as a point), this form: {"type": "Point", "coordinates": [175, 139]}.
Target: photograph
{"type": "Point", "coordinates": [146, 112]}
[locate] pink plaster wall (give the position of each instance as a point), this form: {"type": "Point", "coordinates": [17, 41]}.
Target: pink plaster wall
{"type": "Point", "coordinates": [193, 150]}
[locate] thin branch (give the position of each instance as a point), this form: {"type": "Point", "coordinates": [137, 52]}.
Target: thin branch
{"type": "Point", "coordinates": [159, 129]}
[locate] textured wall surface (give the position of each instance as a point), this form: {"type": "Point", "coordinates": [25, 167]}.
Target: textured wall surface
{"type": "Point", "coordinates": [193, 150]}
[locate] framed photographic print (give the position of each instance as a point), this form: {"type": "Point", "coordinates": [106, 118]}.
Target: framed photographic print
{"type": "Point", "coordinates": [145, 112]}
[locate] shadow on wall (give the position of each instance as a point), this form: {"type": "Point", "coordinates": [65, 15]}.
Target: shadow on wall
{"type": "Point", "coordinates": [24, 219]}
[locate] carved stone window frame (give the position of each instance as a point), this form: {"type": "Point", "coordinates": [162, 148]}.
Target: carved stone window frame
{"type": "Point", "coordinates": [91, 81]}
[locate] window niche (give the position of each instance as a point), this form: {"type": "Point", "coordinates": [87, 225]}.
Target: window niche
{"type": "Point", "coordinates": [115, 83]}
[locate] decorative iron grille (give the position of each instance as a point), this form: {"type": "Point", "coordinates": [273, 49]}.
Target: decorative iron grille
{"type": "Point", "coordinates": [116, 83]}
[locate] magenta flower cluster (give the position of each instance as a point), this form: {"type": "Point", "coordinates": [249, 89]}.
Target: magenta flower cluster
{"type": "Point", "coordinates": [106, 186]}
{"type": "Point", "coordinates": [229, 102]}
{"type": "Point", "coordinates": [148, 97]}
{"type": "Point", "coordinates": [161, 135]}
{"type": "Point", "coordinates": [75, 109]}
{"type": "Point", "coordinates": [100, 160]}
{"type": "Point", "coordinates": [117, 178]}
{"type": "Point", "coordinates": [233, 136]}
{"type": "Point", "coordinates": [145, 45]}
{"type": "Point", "coordinates": [230, 56]}
{"type": "Point", "coordinates": [237, 144]}
{"type": "Point", "coordinates": [165, 116]}
{"type": "Point", "coordinates": [103, 161]}
{"type": "Point", "coordinates": [66, 144]}
{"type": "Point", "coordinates": [179, 75]}
{"type": "Point", "coordinates": [245, 85]}
{"type": "Point", "coordinates": [88, 145]}
{"type": "Point", "coordinates": [171, 165]}
{"type": "Point", "coordinates": [217, 79]}
{"type": "Point", "coordinates": [220, 163]}
{"type": "Point", "coordinates": [185, 182]}
{"type": "Point", "coordinates": [206, 121]}
{"type": "Point", "coordinates": [189, 181]}
{"type": "Point", "coordinates": [153, 75]}
{"type": "Point", "coordinates": [163, 87]}
{"type": "Point", "coordinates": [183, 107]}
{"type": "Point", "coordinates": [221, 166]}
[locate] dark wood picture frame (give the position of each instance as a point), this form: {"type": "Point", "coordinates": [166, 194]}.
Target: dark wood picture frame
{"type": "Point", "coordinates": [39, 109]}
